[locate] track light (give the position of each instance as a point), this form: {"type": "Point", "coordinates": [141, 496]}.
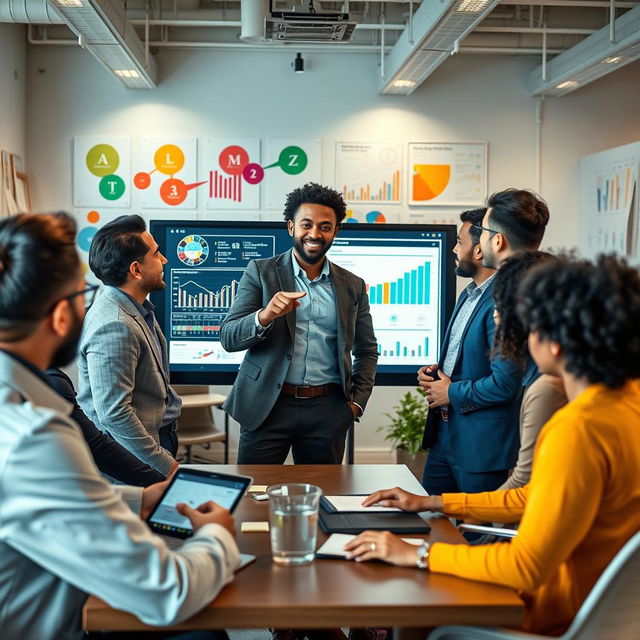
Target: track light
{"type": "Point", "coordinates": [298, 63]}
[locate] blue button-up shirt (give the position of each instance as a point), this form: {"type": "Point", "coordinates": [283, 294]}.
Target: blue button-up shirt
{"type": "Point", "coordinates": [474, 292]}
{"type": "Point", "coordinates": [315, 350]}
{"type": "Point", "coordinates": [147, 310]}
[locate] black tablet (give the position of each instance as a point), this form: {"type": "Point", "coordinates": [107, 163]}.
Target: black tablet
{"type": "Point", "coordinates": [194, 487]}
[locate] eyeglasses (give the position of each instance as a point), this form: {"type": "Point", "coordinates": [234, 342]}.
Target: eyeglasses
{"type": "Point", "coordinates": [89, 296]}
{"type": "Point", "coordinates": [479, 226]}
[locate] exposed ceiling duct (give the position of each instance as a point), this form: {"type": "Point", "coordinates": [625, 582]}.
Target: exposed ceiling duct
{"type": "Point", "coordinates": [598, 55]}
{"type": "Point", "coordinates": [29, 12]}
{"type": "Point", "coordinates": [103, 30]}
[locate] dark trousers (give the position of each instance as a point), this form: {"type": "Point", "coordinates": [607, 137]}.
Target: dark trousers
{"type": "Point", "coordinates": [443, 475]}
{"type": "Point", "coordinates": [313, 428]}
{"type": "Point", "coordinates": [169, 439]}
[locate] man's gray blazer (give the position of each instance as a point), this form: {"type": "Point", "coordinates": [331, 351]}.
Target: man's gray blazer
{"type": "Point", "coordinates": [122, 385]}
{"type": "Point", "coordinates": [264, 368]}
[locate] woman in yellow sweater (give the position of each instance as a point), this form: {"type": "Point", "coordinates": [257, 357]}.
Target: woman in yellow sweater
{"type": "Point", "coordinates": [582, 502]}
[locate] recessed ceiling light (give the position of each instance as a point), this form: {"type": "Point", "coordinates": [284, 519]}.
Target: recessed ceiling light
{"type": "Point", "coordinates": [613, 60]}
{"type": "Point", "coordinates": [68, 3]}
{"type": "Point", "coordinates": [403, 83]}
{"type": "Point", "coordinates": [568, 84]}
{"type": "Point", "coordinates": [472, 6]}
{"type": "Point", "coordinates": [127, 73]}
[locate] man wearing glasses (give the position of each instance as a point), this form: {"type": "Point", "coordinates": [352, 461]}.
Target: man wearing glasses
{"type": "Point", "coordinates": [472, 425]}
{"type": "Point", "coordinates": [515, 220]}
{"type": "Point", "coordinates": [122, 361]}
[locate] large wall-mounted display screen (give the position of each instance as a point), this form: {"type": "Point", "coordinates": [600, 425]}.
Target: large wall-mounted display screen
{"type": "Point", "coordinates": [408, 269]}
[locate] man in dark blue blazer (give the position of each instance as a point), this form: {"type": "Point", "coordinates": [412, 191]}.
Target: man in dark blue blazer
{"type": "Point", "coordinates": [472, 426]}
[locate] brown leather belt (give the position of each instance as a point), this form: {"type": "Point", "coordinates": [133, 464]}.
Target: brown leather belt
{"type": "Point", "coordinates": [305, 391]}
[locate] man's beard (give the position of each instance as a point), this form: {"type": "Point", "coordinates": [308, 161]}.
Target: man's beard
{"type": "Point", "coordinates": [313, 258]}
{"type": "Point", "coordinates": [66, 353]}
{"type": "Point", "coordinates": [466, 269]}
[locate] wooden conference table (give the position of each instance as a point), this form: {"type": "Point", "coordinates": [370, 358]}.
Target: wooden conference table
{"type": "Point", "coordinates": [333, 593]}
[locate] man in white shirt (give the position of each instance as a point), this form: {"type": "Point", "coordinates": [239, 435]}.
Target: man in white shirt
{"type": "Point", "coordinates": [64, 531]}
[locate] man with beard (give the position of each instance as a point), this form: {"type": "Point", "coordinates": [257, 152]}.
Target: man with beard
{"type": "Point", "coordinates": [123, 383]}
{"type": "Point", "coordinates": [301, 318]}
{"type": "Point", "coordinates": [64, 531]}
{"type": "Point", "coordinates": [472, 425]}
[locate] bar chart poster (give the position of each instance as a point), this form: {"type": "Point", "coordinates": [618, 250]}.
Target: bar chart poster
{"type": "Point", "coordinates": [369, 171]}
{"type": "Point", "coordinates": [609, 201]}
{"type": "Point", "coordinates": [101, 171]}
{"type": "Point", "coordinates": [404, 297]}
{"type": "Point", "coordinates": [447, 173]}
{"type": "Point", "coordinates": [232, 170]}
{"type": "Point", "coordinates": [288, 164]}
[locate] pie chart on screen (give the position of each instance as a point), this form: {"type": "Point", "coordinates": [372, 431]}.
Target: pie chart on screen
{"type": "Point", "coordinates": [430, 180]}
{"type": "Point", "coordinates": [375, 217]}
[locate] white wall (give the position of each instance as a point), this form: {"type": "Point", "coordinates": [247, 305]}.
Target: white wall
{"type": "Point", "coordinates": [13, 91]}
{"type": "Point", "coordinates": [256, 94]}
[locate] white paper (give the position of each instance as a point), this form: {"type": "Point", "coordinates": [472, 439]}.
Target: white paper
{"type": "Point", "coordinates": [334, 546]}
{"type": "Point", "coordinates": [354, 504]}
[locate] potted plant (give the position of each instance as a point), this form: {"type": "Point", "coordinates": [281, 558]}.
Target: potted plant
{"type": "Point", "coordinates": [406, 429]}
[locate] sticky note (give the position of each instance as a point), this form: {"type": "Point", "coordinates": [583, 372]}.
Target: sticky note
{"type": "Point", "coordinates": [254, 527]}
{"type": "Point", "coordinates": [258, 488]}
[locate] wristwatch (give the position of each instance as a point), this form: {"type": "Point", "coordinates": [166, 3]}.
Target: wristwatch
{"type": "Point", "coordinates": [422, 553]}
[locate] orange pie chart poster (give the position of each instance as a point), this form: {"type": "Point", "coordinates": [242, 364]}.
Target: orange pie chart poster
{"type": "Point", "coordinates": [447, 174]}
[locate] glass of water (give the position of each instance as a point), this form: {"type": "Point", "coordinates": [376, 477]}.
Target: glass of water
{"type": "Point", "coordinates": [293, 522]}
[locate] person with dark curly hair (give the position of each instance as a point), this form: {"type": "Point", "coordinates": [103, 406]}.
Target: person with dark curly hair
{"type": "Point", "coordinates": [301, 318]}
{"type": "Point", "coordinates": [543, 394]}
{"type": "Point", "coordinates": [583, 500]}
{"type": "Point", "coordinates": [515, 221]}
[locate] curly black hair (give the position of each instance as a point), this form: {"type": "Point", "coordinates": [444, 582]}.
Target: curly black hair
{"type": "Point", "coordinates": [314, 193]}
{"type": "Point", "coordinates": [592, 310]}
{"type": "Point", "coordinates": [510, 338]}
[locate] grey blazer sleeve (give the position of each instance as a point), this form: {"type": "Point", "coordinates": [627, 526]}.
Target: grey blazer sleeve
{"type": "Point", "coordinates": [112, 355]}
{"type": "Point", "coordinates": [365, 352]}
{"type": "Point", "coordinates": [238, 331]}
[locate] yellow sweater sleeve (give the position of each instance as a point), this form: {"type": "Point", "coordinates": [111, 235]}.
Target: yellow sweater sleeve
{"type": "Point", "coordinates": [492, 506]}
{"type": "Point", "coordinates": [562, 500]}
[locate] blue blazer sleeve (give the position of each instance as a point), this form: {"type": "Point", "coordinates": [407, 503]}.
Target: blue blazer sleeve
{"type": "Point", "coordinates": [110, 457]}
{"type": "Point", "coordinates": [502, 386]}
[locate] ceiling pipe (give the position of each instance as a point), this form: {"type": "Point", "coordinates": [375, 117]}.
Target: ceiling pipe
{"type": "Point", "coordinates": [238, 23]}
{"type": "Point", "coordinates": [252, 18]}
{"type": "Point", "coordinates": [29, 12]}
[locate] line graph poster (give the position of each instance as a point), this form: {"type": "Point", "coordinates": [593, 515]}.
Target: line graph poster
{"type": "Point", "coordinates": [289, 163]}
{"type": "Point", "coordinates": [167, 174]}
{"type": "Point", "coordinates": [447, 173]}
{"type": "Point", "coordinates": [608, 200]}
{"type": "Point", "coordinates": [232, 170]}
{"type": "Point", "coordinates": [369, 171]}
{"type": "Point", "coordinates": [102, 171]}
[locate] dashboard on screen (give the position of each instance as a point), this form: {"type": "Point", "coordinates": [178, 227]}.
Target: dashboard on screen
{"type": "Point", "coordinates": [408, 270]}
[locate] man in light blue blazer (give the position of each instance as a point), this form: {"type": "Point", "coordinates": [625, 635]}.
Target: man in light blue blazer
{"type": "Point", "coordinates": [122, 362]}
{"type": "Point", "coordinates": [472, 425]}
{"type": "Point", "coordinates": [301, 318]}
{"type": "Point", "coordinates": [65, 532]}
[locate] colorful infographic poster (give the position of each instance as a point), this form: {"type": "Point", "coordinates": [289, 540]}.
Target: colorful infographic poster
{"type": "Point", "coordinates": [371, 215]}
{"type": "Point", "coordinates": [233, 173]}
{"type": "Point", "coordinates": [369, 171]}
{"type": "Point", "coordinates": [289, 163]}
{"type": "Point", "coordinates": [447, 173]}
{"type": "Point", "coordinates": [167, 173]}
{"type": "Point", "coordinates": [609, 200]}
{"type": "Point", "coordinates": [101, 171]}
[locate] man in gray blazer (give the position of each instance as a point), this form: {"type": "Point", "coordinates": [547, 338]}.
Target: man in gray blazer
{"type": "Point", "coordinates": [301, 318]}
{"type": "Point", "coordinates": [65, 532]}
{"type": "Point", "coordinates": [122, 362]}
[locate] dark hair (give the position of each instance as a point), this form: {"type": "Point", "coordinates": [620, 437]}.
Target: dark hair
{"type": "Point", "coordinates": [474, 216]}
{"type": "Point", "coordinates": [592, 310]}
{"type": "Point", "coordinates": [520, 215]}
{"type": "Point", "coordinates": [313, 193]}
{"type": "Point", "coordinates": [38, 262]}
{"type": "Point", "coordinates": [115, 247]}
{"type": "Point", "coordinates": [510, 338]}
